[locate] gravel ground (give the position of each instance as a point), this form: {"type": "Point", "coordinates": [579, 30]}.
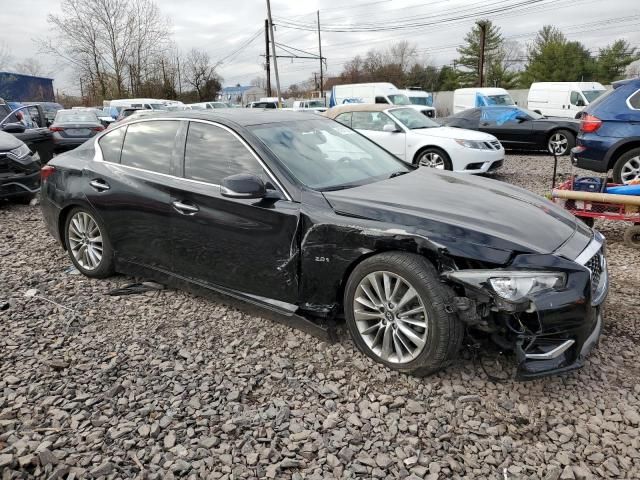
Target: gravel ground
{"type": "Point", "coordinates": [165, 384]}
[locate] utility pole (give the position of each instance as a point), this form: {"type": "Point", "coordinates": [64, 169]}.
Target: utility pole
{"type": "Point", "coordinates": [273, 50]}
{"type": "Point", "coordinates": [81, 92]}
{"type": "Point", "coordinates": [483, 37]}
{"type": "Point", "coordinates": [267, 56]}
{"type": "Point", "coordinates": [320, 51]}
{"type": "Point", "coordinates": [179, 78]}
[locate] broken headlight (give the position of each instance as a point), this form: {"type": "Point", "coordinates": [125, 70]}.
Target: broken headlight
{"type": "Point", "coordinates": [511, 285]}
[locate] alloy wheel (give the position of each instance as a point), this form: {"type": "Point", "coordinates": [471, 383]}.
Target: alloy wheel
{"type": "Point", "coordinates": [85, 241]}
{"type": "Point", "coordinates": [431, 160]}
{"type": "Point", "coordinates": [391, 317]}
{"type": "Point", "coordinates": [631, 170]}
{"type": "Point", "coordinates": [558, 143]}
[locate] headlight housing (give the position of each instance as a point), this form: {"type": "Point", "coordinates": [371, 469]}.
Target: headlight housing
{"type": "Point", "coordinates": [511, 285]}
{"type": "Point", "coordinates": [20, 152]}
{"type": "Point", "coordinates": [477, 145]}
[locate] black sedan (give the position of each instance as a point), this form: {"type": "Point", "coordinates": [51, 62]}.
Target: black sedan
{"type": "Point", "coordinates": [306, 217]}
{"type": "Point", "coordinates": [519, 129]}
{"type": "Point", "coordinates": [19, 170]}
{"type": "Point", "coordinates": [74, 127]}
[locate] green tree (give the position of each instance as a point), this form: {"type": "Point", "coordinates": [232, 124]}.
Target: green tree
{"type": "Point", "coordinates": [614, 60]}
{"type": "Point", "coordinates": [552, 58]}
{"type": "Point", "coordinates": [423, 76]}
{"type": "Point", "coordinates": [470, 52]}
{"type": "Point", "coordinates": [447, 79]}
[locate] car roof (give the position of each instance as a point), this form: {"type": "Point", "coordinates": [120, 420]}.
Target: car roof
{"type": "Point", "coordinates": [361, 107]}
{"type": "Point", "coordinates": [241, 117]}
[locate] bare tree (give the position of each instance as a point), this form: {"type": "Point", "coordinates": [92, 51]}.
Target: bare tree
{"type": "Point", "coordinates": [199, 72]}
{"type": "Point", "coordinates": [402, 54]}
{"type": "Point", "coordinates": [5, 56]}
{"type": "Point", "coordinates": [31, 66]}
{"type": "Point", "coordinates": [260, 82]}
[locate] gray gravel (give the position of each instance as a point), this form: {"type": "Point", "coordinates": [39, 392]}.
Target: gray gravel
{"type": "Point", "coordinates": [164, 384]}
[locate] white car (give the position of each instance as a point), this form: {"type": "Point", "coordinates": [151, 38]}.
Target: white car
{"type": "Point", "coordinates": [418, 140]}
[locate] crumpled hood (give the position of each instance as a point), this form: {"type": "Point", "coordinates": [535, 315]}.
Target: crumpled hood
{"type": "Point", "coordinates": [453, 132]}
{"type": "Point", "coordinates": [451, 209]}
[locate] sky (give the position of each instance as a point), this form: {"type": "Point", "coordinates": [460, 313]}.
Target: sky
{"type": "Point", "coordinates": [221, 26]}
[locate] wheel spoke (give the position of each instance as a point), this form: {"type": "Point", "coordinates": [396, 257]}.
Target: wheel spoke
{"type": "Point", "coordinates": [386, 281]}
{"type": "Point", "coordinates": [370, 294]}
{"type": "Point", "coordinates": [365, 302]}
{"type": "Point", "coordinates": [414, 322]}
{"type": "Point", "coordinates": [387, 348]}
{"type": "Point", "coordinates": [409, 295]}
{"type": "Point", "coordinates": [373, 280]}
{"type": "Point", "coordinates": [363, 315]}
{"type": "Point", "coordinates": [373, 328]}
{"type": "Point", "coordinates": [413, 311]}
{"type": "Point", "coordinates": [411, 335]}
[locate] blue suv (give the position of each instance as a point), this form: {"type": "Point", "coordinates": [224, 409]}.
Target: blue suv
{"type": "Point", "coordinates": [609, 135]}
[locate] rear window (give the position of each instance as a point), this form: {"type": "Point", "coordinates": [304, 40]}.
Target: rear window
{"type": "Point", "coordinates": [149, 145]}
{"type": "Point", "coordinates": [634, 100]}
{"type": "Point", "coordinates": [76, 117]}
{"type": "Point", "coordinates": [111, 145]}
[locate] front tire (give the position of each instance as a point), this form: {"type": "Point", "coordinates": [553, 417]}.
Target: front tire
{"type": "Point", "coordinates": [88, 244]}
{"type": "Point", "coordinates": [562, 141]}
{"type": "Point", "coordinates": [398, 313]}
{"type": "Point", "coordinates": [433, 157]}
{"type": "Point", "coordinates": [627, 167]}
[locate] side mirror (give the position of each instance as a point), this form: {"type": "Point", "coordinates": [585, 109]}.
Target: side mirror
{"type": "Point", "coordinates": [14, 128]}
{"type": "Point", "coordinates": [389, 127]}
{"type": "Point", "coordinates": [243, 185]}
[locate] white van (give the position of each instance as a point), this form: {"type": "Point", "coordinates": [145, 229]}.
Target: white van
{"type": "Point", "coordinates": [424, 99]}
{"type": "Point", "coordinates": [315, 105]}
{"type": "Point", "coordinates": [367, 93]}
{"type": "Point", "coordinates": [465, 98]}
{"type": "Point", "coordinates": [562, 99]}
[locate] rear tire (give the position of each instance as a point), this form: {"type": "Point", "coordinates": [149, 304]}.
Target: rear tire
{"type": "Point", "coordinates": [433, 157]}
{"type": "Point", "coordinates": [562, 141]}
{"type": "Point", "coordinates": [88, 244]}
{"type": "Point", "coordinates": [408, 294]}
{"type": "Point", "coordinates": [632, 237]}
{"type": "Point", "coordinates": [627, 167]}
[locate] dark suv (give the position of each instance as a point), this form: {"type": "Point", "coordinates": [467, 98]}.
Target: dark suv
{"type": "Point", "coordinates": [28, 123]}
{"type": "Point", "coordinates": [610, 133]}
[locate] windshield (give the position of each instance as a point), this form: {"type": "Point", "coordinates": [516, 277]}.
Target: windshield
{"type": "Point", "coordinates": [424, 101]}
{"type": "Point", "coordinates": [158, 106]}
{"type": "Point", "coordinates": [325, 155]}
{"type": "Point", "coordinates": [76, 116]}
{"type": "Point", "coordinates": [412, 119]}
{"type": "Point", "coordinates": [591, 95]}
{"type": "Point", "coordinates": [316, 104]}
{"type": "Point", "coordinates": [399, 99]}
{"type": "Point", "coordinates": [499, 100]}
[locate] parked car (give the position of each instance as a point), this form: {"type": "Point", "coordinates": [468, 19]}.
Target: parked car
{"type": "Point", "coordinates": [562, 99]}
{"type": "Point", "coordinates": [309, 105]}
{"type": "Point", "coordinates": [19, 170]}
{"type": "Point", "coordinates": [519, 129]}
{"type": "Point", "coordinates": [127, 111]}
{"type": "Point", "coordinates": [105, 118]}
{"type": "Point", "coordinates": [50, 110]}
{"type": "Point", "coordinates": [420, 141]}
{"type": "Point", "coordinates": [218, 105]}
{"type": "Point", "coordinates": [196, 106]}
{"type": "Point", "coordinates": [466, 98]}
{"type": "Point", "coordinates": [610, 133]}
{"type": "Point", "coordinates": [74, 127]}
{"type": "Point", "coordinates": [39, 139]}
{"type": "Point", "coordinates": [303, 216]}
{"type": "Point", "coordinates": [423, 99]}
{"type": "Point", "coordinates": [263, 104]}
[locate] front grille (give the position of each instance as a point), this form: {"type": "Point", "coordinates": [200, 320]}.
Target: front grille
{"type": "Point", "coordinates": [594, 264]}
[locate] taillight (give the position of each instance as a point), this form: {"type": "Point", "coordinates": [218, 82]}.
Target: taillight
{"type": "Point", "coordinates": [589, 123]}
{"type": "Point", "coordinates": [97, 129]}
{"type": "Point", "coordinates": [46, 172]}
{"type": "Point", "coordinates": [56, 129]}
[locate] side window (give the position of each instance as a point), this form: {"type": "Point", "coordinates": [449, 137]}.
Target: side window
{"type": "Point", "coordinates": [212, 153]}
{"type": "Point", "coordinates": [634, 100]}
{"type": "Point", "coordinates": [374, 121]}
{"type": "Point", "coordinates": [344, 118]}
{"type": "Point", "coordinates": [149, 145]}
{"type": "Point", "coordinates": [381, 100]}
{"type": "Point", "coordinates": [111, 145]}
{"type": "Point", "coordinates": [574, 98]}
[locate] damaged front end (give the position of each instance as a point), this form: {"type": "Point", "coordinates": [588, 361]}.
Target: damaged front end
{"type": "Point", "coordinates": [545, 308]}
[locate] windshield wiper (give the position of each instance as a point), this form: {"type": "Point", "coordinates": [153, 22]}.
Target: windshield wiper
{"type": "Point", "coordinates": [341, 187]}
{"type": "Point", "coordinates": [398, 173]}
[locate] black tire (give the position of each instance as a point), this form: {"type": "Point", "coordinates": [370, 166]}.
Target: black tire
{"type": "Point", "coordinates": [632, 237]}
{"type": "Point", "coordinates": [437, 151]}
{"type": "Point", "coordinates": [568, 135]}
{"type": "Point", "coordinates": [588, 221]}
{"type": "Point", "coordinates": [105, 267]}
{"type": "Point", "coordinates": [621, 162]}
{"type": "Point", "coordinates": [445, 330]}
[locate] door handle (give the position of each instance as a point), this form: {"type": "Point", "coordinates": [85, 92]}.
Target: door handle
{"type": "Point", "coordinates": [185, 208]}
{"type": "Point", "coordinates": [99, 185]}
